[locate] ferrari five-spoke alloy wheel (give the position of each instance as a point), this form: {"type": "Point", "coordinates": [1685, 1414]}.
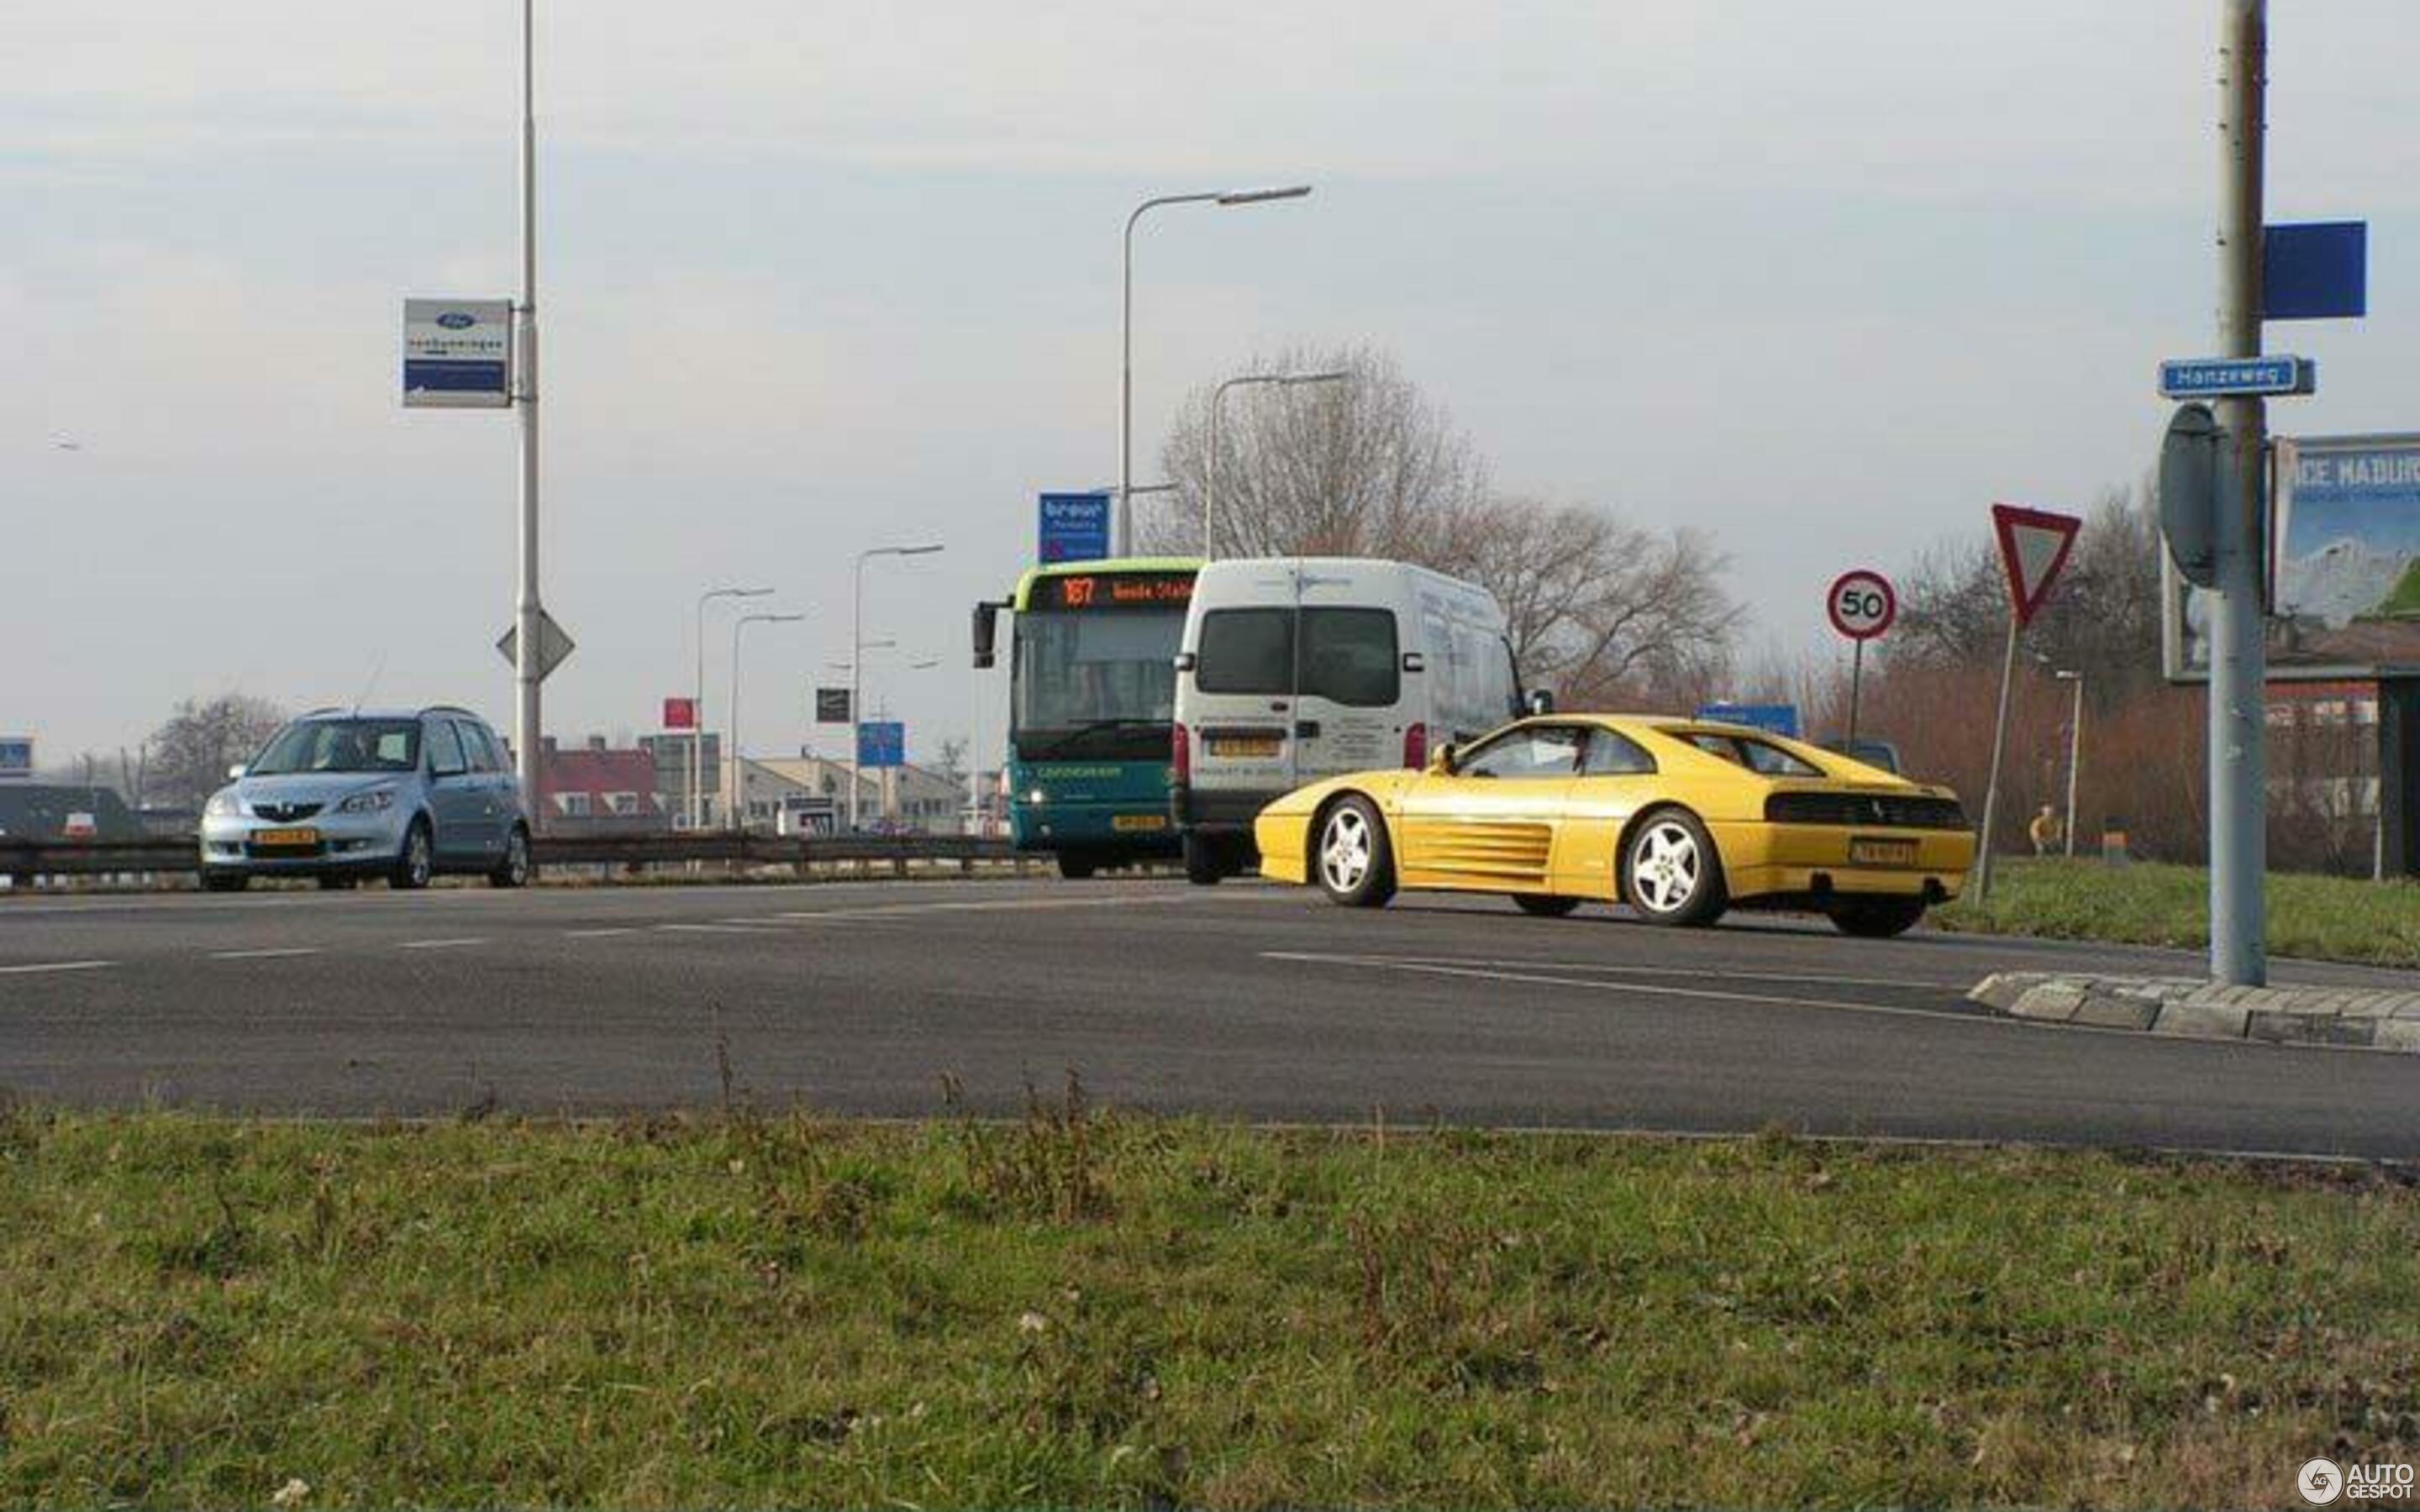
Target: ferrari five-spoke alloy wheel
{"type": "Point", "coordinates": [1355, 863]}
{"type": "Point", "coordinates": [1674, 876]}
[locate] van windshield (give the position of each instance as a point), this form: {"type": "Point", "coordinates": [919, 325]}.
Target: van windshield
{"type": "Point", "coordinates": [341, 746]}
{"type": "Point", "coordinates": [1100, 684]}
{"type": "Point", "coordinates": [1348, 655]}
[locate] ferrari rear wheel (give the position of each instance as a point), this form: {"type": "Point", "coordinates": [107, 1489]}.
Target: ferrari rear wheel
{"type": "Point", "coordinates": [1352, 858]}
{"type": "Point", "coordinates": [1543, 905]}
{"type": "Point", "coordinates": [1671, 874]}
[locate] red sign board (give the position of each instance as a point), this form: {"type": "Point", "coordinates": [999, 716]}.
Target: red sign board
{"type": "Point", "coordinates": [680, 714]}
{"type": "Point", "coordinates": [2034, 548]}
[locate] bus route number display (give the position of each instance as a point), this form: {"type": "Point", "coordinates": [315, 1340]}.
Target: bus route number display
{"type": "Point", "coordinates": [1100, 590]}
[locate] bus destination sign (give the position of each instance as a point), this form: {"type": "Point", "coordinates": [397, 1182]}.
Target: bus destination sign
{"type": "Point", "coordinates": [1111, 591]}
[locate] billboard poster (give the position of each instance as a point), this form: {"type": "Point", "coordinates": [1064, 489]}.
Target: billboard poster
{"type": "Point", "coordinates": [2345, 593]}
{"type": "Point", "coordinates": [457, 354]}
{"type": "Point", "coordinates": [16, 758]}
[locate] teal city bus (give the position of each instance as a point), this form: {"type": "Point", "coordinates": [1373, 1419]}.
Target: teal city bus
{"type": "Point", "coordinates": [1091, 704]}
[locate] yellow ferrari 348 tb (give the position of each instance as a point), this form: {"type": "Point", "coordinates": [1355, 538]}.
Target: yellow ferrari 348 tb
{"type": "Point", "coordinates": [1679, 818]}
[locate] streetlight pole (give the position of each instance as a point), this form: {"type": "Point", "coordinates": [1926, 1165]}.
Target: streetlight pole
{"type": "Point", "coordinates": [1126, 332]}
{"type": "Point", "coordinates": [2074, 752]}
{"type": "Point", "coordinates": [1210, 486]}
{"type": "Point", "coordinates": [856, 658]}
{"type": "Point", "coordinates": [738, 813]}
{"type": "Point", "coordinates": [697, 707]}
{"type": "Point", "coordinates": [528, 613]}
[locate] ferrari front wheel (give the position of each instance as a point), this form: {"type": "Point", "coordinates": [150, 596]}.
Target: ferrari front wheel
{"type": "Point", "coordinates": [1671, 872]}
{"type": "Point", "coordinates": [1354, 862]}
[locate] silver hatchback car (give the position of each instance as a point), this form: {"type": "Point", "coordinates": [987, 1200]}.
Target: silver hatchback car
{"type": "Point", "coordinates": [341, 795]}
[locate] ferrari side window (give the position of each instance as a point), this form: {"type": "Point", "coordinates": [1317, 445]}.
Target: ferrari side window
{"type": "Point", "coordinates": [1540, 751]}
{"type": "Point", "coordinates": [1614, 755]}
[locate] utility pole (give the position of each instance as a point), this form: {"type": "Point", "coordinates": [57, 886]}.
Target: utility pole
{"type": "Point", "coordinates": [2239, 672]}
{"type": "Point", "coordinates": [529, 653]}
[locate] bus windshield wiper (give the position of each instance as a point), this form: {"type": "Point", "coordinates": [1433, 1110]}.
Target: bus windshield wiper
{"type": "Point", "coordinates": [1074, 736]}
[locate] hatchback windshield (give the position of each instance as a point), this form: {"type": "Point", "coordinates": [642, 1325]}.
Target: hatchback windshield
{"type": "Point", "coordinates": [341, 746]}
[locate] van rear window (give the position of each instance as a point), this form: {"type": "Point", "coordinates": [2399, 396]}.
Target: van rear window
{"type": "Point", "coordinates": [1349, 655]}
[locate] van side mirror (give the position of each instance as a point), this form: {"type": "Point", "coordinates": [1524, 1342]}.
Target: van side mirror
{"type": "Point", "coordinates": [1541, 702]}
{"type": "Point", "coordinates": [986, 632]}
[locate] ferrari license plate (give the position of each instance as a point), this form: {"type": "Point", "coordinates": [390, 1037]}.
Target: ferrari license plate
{"type": "Point", "coordinates": [1882, 852]}
{"type": "Point", "coordinates": [1139, 821]}
{"type": "Point", "coordinates": [1244, 748]}
{"type": "Point", "coordinates": [286, 837]}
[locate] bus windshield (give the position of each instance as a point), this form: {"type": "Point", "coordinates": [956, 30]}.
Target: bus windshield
{"type": "Point", "coordinates": [1096, 686]}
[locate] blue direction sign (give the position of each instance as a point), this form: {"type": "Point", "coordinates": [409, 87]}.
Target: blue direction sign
{"type": "Point", "coordinates": [2318, 271]}
{"type": "Point", "coordinates": [882, 742]}
{"type": "Point", "coordinates": [2217, 377]}
{"type": "Point", "coordinates": [1075, 526]}
{"type": "Point", "coordinates": [1779, 718]}
{"type": "Point", "coordinates": [16, 757]}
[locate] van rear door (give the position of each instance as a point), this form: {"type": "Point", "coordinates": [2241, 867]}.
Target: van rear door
{"type": "Point", "coordinates": [1347, 678]}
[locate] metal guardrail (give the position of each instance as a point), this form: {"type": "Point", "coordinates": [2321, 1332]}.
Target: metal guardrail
{"type": "Point", "coordinates": [23, 861]}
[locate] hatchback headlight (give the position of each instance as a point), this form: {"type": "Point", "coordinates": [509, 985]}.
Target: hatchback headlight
{"type": "Point", "coordinates": [377, 800]}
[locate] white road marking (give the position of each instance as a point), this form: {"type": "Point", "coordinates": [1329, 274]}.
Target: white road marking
{"type": "Point", "coordinates": [54, 965]}
{"type": "Point", "coordinates": [715, 928]}
{"type": "Point", "coordinates": [599, 933]}
{"type": "Point", "coordinates": [1000, 906]}
{"type": "Point", "coordinates": [1482, 973]}
{"type": "Point", "coordinates": [437, 945]}
{"type": "Point", "coordinates": [1708, 973]}
{"type": "Point", "coordinates": [264, 955]}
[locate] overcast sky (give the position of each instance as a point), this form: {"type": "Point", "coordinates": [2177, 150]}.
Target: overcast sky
{"type": "Point", "coordinates": [1823, 279]}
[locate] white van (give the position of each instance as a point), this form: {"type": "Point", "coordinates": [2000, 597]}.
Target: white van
{"type": "Point", "coordinates": [1294, 668]}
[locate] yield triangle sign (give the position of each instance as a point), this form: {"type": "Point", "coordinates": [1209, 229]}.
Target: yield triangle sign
{"type": "Point", "coordinates": [2033, 546]}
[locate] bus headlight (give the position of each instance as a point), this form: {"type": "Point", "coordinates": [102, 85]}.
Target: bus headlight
{"type": "Point", "coordinates": [1036, 797]}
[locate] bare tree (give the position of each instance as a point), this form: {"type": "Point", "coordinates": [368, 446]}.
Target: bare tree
{"type": "Point", "coordinates": [1369, 466]}
{"type": "Point", "coordinates": [193, 751]}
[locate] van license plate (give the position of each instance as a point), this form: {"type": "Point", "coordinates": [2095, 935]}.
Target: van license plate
{"type": "Point", "coordinates": [286, 837]}
{"type": "Point", "coordinates": [1899, 852]}
{"type": "Point", "coordinates": [1139, 821]}
{"type": "Point", "coordinates": [1247, 747]}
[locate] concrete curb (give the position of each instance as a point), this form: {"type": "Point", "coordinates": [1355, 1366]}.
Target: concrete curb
{"type": "Point", "coordinates": [2368, 1018]}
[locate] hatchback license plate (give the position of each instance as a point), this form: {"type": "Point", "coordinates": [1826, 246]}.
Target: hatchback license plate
{"type": "Point", "coordinates": [1882, 852]}
{"type": "Point", "coordinates": [1139, 821]}
{"type": "Point", "coordinates": [286, 837]}
{"type": "Point", "coordinates": [1253, 748]}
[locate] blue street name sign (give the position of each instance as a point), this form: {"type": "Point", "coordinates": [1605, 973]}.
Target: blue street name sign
{"type": "Point", "coordinates": [2212, 377]}
{"type": "Point", "coordinates": [1075, 526]}
{"type": "Point", "coordinates": [882, 742]}
{"type": "Point", "coordinates": [1781, 718]}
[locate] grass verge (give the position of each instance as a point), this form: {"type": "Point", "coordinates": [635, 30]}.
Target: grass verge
{"type": "Point", "coordinates": [2331, 918]}
{"type": "Point", "coordinates": [1086, 1309]}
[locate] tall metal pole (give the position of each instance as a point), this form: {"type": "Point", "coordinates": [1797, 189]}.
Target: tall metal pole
{"type": "Point", "coordinates": [527, 612]}
{"type": "Point", "coordinates": [2075, 760]}
{"type": "Point", "coordinates": [1125, 544]}
{"type": "Point", "coordinates": [738, 811]}
{"type": "Point", "coordinates": [697, 710]}
{"type": "Point", "coordinates": [2239, 670]}
{"type": "Point", "coordinates": [1857, 686]}
{"type": "Point", "coordinates": [1991, 787]}
{"type": "Point", "coordinates": [855, 683]}
{"type": "Point", "coordinates": [1217, 396]}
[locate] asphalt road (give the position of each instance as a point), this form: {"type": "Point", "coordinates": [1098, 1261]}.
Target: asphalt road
{"type": "Point", "coordinates": [1243, 1000]}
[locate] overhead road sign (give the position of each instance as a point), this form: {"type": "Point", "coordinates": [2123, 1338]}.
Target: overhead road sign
{"type": "Point", "coordinates": [2034, 548]}
{"type": "Point", "coordinates": [882, 742]}
{"type": "Point", "coordinates": [457, 354]}
{"type": "Point", "coordinates": [16, 758]}
{"type": "Point", "coordinates": [1074, 527]}
{"type": "Point", "coordinates": [2223, 378]}
{"type": "Point", "coordinates": [831, 705]}
{"type": "Point", "coordinates": [553, 645]}
{"type": "Point", "coordinates": [2318, 271]}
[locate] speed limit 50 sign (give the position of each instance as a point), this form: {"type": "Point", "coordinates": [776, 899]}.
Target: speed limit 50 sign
{"type": "Point", "coordinates": [1862, 604]}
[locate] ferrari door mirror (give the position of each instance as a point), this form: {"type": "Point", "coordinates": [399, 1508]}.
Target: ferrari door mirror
{"type": "Point", "coordinates": [1541, 702]}
{"type": "Point", "coordinates": [1442, 762]}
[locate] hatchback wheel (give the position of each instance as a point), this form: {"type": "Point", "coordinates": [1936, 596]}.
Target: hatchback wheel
{"type": "Point", "coordinates": [514, 871]}
{"type": "Point", "coordinates": [417, 861]}
{"type": "Point", "coordinates": [1671, 874]}
{"type": "Point", "coordinates": [1354, 862]}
